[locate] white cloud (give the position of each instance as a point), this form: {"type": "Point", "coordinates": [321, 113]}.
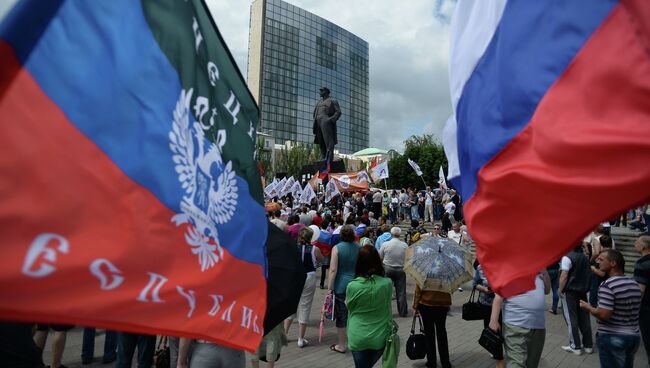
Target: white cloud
{"type": "Point", "coordinates": [409, 57]}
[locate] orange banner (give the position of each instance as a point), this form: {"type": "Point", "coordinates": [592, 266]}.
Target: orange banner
{"type": "Point", "coordinates": [351, 181]}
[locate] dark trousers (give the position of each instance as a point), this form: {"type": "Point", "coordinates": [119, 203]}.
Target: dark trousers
{"type": "Point", "coordinates": [366, 358]}
{"type": "Point", "coordinates": [644, 324]}
{"type": "Point", "coordinates": [577, 320]}
{"type": "Point", "coordinates": [554, 275]}
{"type": "Point", "coordinates": [126, 344]}
{"type": "Point", "coordinates": [399, 281]}
{"type": "Point", "coordinates": [88, 345]}
{"type": "Point", "coordinates": [594, 284]}
{"type": "Point", "coordinates": [647, 223]}
{"type": "Point", "coordinates": [323, 274]}
{"type": "Point", "coordinates": [392, 213]}
{"type": "Point", "coordinates": [434, 320]}
{"type": "Point", "coordinates": [446, 222]}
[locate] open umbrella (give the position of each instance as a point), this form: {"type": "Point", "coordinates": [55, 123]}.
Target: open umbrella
{"type": "Point", "coordinates": [439, 264]}
{"type": "Point", "coordinates": [285, 280]}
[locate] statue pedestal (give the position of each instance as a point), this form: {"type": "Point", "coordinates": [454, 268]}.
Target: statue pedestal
{"type": "Point", "coordinates": [338, 166]}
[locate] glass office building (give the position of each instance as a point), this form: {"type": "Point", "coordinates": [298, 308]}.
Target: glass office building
{"type": "Point", "coordinates": [292, 54]}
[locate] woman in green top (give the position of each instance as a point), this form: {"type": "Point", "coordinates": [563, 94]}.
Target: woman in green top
{"type": "Point", "coordinates": [370, 314]}
{"type": "Point", "coordinates": [344, 259]}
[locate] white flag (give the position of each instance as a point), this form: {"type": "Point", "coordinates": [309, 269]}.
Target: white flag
{"type": "Point", "coordinates": [307, 194]}
{"type": "Point", "coordinates": [287, 186]}
{"type": "Point", "coordinates": [269, 191]}
{"type": "Point", "coordinates": [415, 167]}
{"type": "Point", "coordinates": [441, 179]}
{"type": "Point", "coordinates": [380, 171]}
{"type": "Point", "coordinates": [296, 189]}
{"type": "Point", "coordinates": [331, 191]}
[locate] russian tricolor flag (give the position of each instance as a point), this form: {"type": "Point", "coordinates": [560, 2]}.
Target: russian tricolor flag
{"type": "Point", "coordinates": [129, 198]}
{"type": "Point", "coordinates": [551, 128]}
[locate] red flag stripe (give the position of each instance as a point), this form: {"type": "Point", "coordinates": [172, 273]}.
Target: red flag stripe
{"type": "Point", "coordinates": [582, 158]}
{"type": "Point", "coordinates": [50, 168]}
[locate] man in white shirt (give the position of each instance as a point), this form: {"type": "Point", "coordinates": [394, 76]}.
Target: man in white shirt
{"type": "Point", "coordinates": [455, 234]}
{"type": "Point", "coordinates": [393, 255]}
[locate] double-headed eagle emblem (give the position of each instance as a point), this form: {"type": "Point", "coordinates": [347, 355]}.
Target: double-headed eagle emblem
{"type": "Point", "coordinates": [206, 202]}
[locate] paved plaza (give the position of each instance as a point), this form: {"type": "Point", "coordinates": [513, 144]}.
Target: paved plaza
{"type": "Point", "coordinates": [463, 346]}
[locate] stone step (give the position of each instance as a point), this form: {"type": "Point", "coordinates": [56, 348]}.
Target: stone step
{"type": "Point", "coordinates": [623, 237]}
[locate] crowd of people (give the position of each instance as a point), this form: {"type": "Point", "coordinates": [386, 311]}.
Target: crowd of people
{"type": "Point", "coordinates": [362, 257]}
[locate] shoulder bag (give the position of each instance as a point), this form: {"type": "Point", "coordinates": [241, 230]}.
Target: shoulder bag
{"type": "Point", "coordinates": [473, 310]}
{"type": "Point", "coordinates": [391, 350]}
{"type": "Point", "coordinates": [492, 342]}
{"type": "Point", "coordinates": [161, 357]}
{"type": "Point", "coordinates": [416, 343]}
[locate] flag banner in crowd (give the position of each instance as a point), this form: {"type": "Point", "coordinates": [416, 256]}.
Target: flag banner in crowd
{"type": "Point", "coordinates": [415, 167]}
{"type": "Point", "coordinates": [442, 182]}
{"type": "Point", "coordinates": [349, 182]}
{"type": "Point", "coordinates": [296, 189]}
{"type": "Point", "coordinates": [307, 194]}
{"type": "Point", "coordinates": [362, 176]}
{"type": "Point", "coordinates": [322, 173]}
{"type": "Point", "coordinates": [287, 186]}
{"type": "Point", "coordinates": [379, 172]}
{"type": "Point", "coordinates": [130, 197]}
{"type": "Point", "coordinates": [280, 187]}
{"type": "Point", "coordinates": [269, 191]}
{"type": "Point", "coordinates": [314, 181]}
{"type": "Point", "coordinates": [374, 162]}
{"type": "Point", "coordinates": [561, 143]}
{"type": "Point", "coordinates": [331, 190]}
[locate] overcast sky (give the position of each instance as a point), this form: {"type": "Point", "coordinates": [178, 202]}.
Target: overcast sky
{"type": "Point", "coordinates": [409, 57]}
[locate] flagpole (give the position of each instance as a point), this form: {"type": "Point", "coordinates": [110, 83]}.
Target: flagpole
{"type": "Point", "coordinates": [385, 184]}
{"type": "Point", "coordinates": [424, 182]}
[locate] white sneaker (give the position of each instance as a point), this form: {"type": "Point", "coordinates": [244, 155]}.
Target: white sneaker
{"type": "Point", "coordinates": [589, 350]}
{"type": "Point", "coordinates": [302, 343]}
{"type": "Point", "coordinates": [569, 349]}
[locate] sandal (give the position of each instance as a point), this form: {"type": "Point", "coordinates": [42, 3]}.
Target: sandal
{"type": "Point", "coordinates": [333, 348]}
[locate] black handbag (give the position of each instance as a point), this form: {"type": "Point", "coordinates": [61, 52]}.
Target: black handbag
{"type": "Point", "coordinates": [473, 310]}
{"type": "Point", "coordinates": [416, 343]}
{"type": "Point", "coordinates": [492, 342]}
{"type": "Point", "coordinates": [161, 357]}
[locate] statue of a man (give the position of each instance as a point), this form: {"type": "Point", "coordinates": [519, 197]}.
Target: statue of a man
{"type": "Point", "coordinates": [326, 113]}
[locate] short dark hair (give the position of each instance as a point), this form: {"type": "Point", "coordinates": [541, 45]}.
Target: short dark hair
{"type": "Point", "coordinates": [605, 241]}
{"type": "Point", "coordinates": [293, 219]}
{"type": "Point", "coordinates": [615, 256]}
{"type": "Point", "coordinates": [368, 262]}
{"type": "Point", "coordinates": [277, 213]}
{"type": "Point", "coordinates": [415, 223]}
{"type": "Point", "coordinates": [347, 234]}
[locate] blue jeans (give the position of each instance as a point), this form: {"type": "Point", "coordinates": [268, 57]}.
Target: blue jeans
{"type": "Point", "coordinates": [617, 351]}
{"type": "Point", "coordinates": [414, 213]}
{"type": "Point", "coordinates": [554, 275]}
{"type": "Point", "coordinates": [437, 211]}
{"type": "Point", "coordinates": [88, 345]}
{"type": "Point", "coordinates": [366, 358]}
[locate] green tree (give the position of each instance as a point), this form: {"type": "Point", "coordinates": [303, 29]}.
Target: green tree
{"type": "Point", "coordinates": [427, 152]}
{"type": "Point", "coordinates": [292, 160]}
